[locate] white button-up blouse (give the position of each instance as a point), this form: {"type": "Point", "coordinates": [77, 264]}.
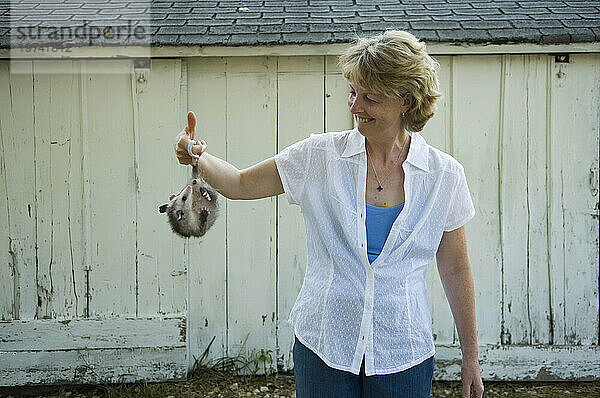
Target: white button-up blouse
{"type": "Point", "coordinates": [347, 307]}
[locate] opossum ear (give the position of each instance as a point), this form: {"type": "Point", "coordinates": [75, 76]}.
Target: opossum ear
{"type": "Point", "coordinates": [163, 208]}
{"type": "Point", "coordinates": [171, 196]}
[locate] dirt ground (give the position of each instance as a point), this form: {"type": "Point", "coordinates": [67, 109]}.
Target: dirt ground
{"type": "Point", "coordinates": [207, 382]}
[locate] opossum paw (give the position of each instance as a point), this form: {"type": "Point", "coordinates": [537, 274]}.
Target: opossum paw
{"type": "Point", "coordinates": [204, 214]}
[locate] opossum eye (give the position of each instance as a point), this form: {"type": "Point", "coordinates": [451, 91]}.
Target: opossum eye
{"type": "Point", "coordinates": [184, 198]}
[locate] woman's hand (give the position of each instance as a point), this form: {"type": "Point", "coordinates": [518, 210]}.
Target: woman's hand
{"type": "Point", "coordinates": [183, 139]}
{"type": "Point", "coordinates": [472, 385]}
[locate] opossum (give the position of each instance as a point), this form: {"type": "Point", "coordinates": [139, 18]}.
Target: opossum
{"type": "Point", "coordinates": [194, 209]}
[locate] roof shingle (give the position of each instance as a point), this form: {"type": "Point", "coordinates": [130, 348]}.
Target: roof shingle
{"type": "Point", "coordinates": [266, 22]}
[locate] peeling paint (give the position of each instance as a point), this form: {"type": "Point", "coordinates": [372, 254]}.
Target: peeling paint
{"type": "Point", "coordinates": [544, 375]}
{"type": "Point", "coordinates": [182, 330]}
{"type": "Point", "coordinates": [16, 280]}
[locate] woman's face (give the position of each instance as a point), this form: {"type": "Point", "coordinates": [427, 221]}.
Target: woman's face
{"type": "Point", "coordinates": [375, 114]}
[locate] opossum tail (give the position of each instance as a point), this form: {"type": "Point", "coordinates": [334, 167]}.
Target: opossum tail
{"type": "Point", "coordinates": [195, 170]}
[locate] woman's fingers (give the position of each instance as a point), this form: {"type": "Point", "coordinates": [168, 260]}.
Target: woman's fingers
{"type": "Point", "coordinates": [181, 145]}
{"type": "Point", "coordinates": [199, 148]}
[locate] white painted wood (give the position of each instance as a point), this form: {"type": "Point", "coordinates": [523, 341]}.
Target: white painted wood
{"type": "Point", "coordinates": [537, 199]}
{"type": "Point", "coordinates": [207, 307]}
{"type": "Point", "coordinates": [476, 98]}
{"type": "Point", "coordinates": [161, 273]}
{"type": "Point", "coordinates": [300, 112]}
{"type": "Point", "coordinates": [78, 334]}
{"type": "Point", "coordinates": [514, 210]}
{"type": "Point", "coordinates": [302, 50]}
{"type": "Point", "coordinates": [438, 133]}
{"type": "Point", "coordinates": [60, 276]}
{"type": "Point", "coordinates": [108, 134]}
{"type": "Point", "coordinates": [91, 350]}
{"type": "Point", "coordinates": [19, 161]}
{"type": "Point", "coordinates": [251, 225]}
{"type": "Point", "coordinates": [531, 363]}
{"type": "Point", "coordinates": [76, 351]}
{"type": "Point", "coordinates": [575, 124]}
{"type": "Point", "coordinates": [86, 218]}
{"type": "Point", "coordinates": [7, 291]}
{"type": "Point", "coordinates": [136, 364]}
{"type": "Point", "coordinates": [337, 114]}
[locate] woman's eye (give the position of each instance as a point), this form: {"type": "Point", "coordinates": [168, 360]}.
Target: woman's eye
{"type": "Point", "coordinates": [370, 99]}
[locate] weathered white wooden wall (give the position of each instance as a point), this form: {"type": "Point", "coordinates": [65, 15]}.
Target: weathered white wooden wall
{"type": "Point", "coordinates": [91, 283]}
{"type": "Point", "coordinates": [87, 158]}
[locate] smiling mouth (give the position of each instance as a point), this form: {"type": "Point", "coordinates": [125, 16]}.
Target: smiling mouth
{"type": "Point", "coordinates": [363, 120]}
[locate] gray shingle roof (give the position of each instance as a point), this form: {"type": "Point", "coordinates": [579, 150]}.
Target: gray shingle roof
{"type": "Point", "coordinates": [271, 22]}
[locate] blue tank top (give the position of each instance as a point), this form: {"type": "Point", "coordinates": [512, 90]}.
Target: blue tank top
{"type": "Point", "coordinates": [378, 222]}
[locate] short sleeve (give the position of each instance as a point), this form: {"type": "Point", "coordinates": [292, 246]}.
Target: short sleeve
{"type": "Point", "coordinates": [461, 206]}
{"type": "Point", "coordinates": [292, 165]}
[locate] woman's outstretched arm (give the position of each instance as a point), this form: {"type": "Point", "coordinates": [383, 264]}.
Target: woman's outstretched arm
{"type": "Point", "coordinates": [255, 182]}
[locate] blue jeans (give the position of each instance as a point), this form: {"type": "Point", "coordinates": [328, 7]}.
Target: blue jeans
{"type": "Point", "coordinates": [315, 379]}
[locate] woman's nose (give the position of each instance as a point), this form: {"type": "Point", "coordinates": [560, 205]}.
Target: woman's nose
{"type": "Point", "coordinates": [354, 105]}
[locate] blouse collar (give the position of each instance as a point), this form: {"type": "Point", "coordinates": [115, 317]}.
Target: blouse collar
{"type": "Point", "coordinates": [417, 152]}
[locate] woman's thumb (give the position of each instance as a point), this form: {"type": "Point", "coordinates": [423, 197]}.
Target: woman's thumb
{"type": "Point", "coordinates": [191, 124]}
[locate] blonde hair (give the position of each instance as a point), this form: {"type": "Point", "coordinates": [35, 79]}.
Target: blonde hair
{"type": "Point", "coordinates": [392, 64]}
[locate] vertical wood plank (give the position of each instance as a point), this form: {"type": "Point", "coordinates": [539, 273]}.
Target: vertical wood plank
{"type": "Point", "coordinates": [575, 98]}
{"type": "Point", "coordinates": [514, 210]}
{"type": "Point", "coordinates": [18, 137]}
{"type": "Point", "coordinates": [110, 180]}
{"type": "Point", "coordinates": [251, 138]}
{"type": "Point", "coordinates": [476, 96]}
{"type": "Point", "coordinates": [337, 114]}
{"type": "Point", "coordinates": [437, 133]}
{"type": "Point", "coordinates": [161, 266]}
{"type": "Point", "coordinates": [60, 276]}
{"type": "Point", "coordinates": [300, 112]}
{"type": "Point", "coordinates": [537, 200]}
{"type": "Point", "coordinates": [7, 291]}
{"type": "Point", "coordinates": [207, 308]}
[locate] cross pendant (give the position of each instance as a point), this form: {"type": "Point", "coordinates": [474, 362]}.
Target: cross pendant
{"type": "Point", "coordinates": [380, 188]}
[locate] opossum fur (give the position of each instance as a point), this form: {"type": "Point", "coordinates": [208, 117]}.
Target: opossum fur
{"type": "Point", "coordinates": [194, 209]}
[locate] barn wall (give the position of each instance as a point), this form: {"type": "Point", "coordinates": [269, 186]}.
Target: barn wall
{"type": "Point", "coordinates": [87, 159]}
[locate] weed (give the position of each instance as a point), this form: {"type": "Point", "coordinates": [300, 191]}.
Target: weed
{"type": "Point", "coordinates": [237, 365]}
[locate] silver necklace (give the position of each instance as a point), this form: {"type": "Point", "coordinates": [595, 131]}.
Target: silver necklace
{"type": "Point", "coordinates": [380, 187]}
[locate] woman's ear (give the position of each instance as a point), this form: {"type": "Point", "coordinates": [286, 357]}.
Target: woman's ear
{"type": "Point", "coordinates": [407, 102]}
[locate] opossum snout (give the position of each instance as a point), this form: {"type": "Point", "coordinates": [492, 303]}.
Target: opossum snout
{"type": "Point", "coordinates": [186, 192]}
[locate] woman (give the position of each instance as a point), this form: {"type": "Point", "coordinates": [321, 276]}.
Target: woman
{"type": "Point", "coordinates": [361, 321]}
